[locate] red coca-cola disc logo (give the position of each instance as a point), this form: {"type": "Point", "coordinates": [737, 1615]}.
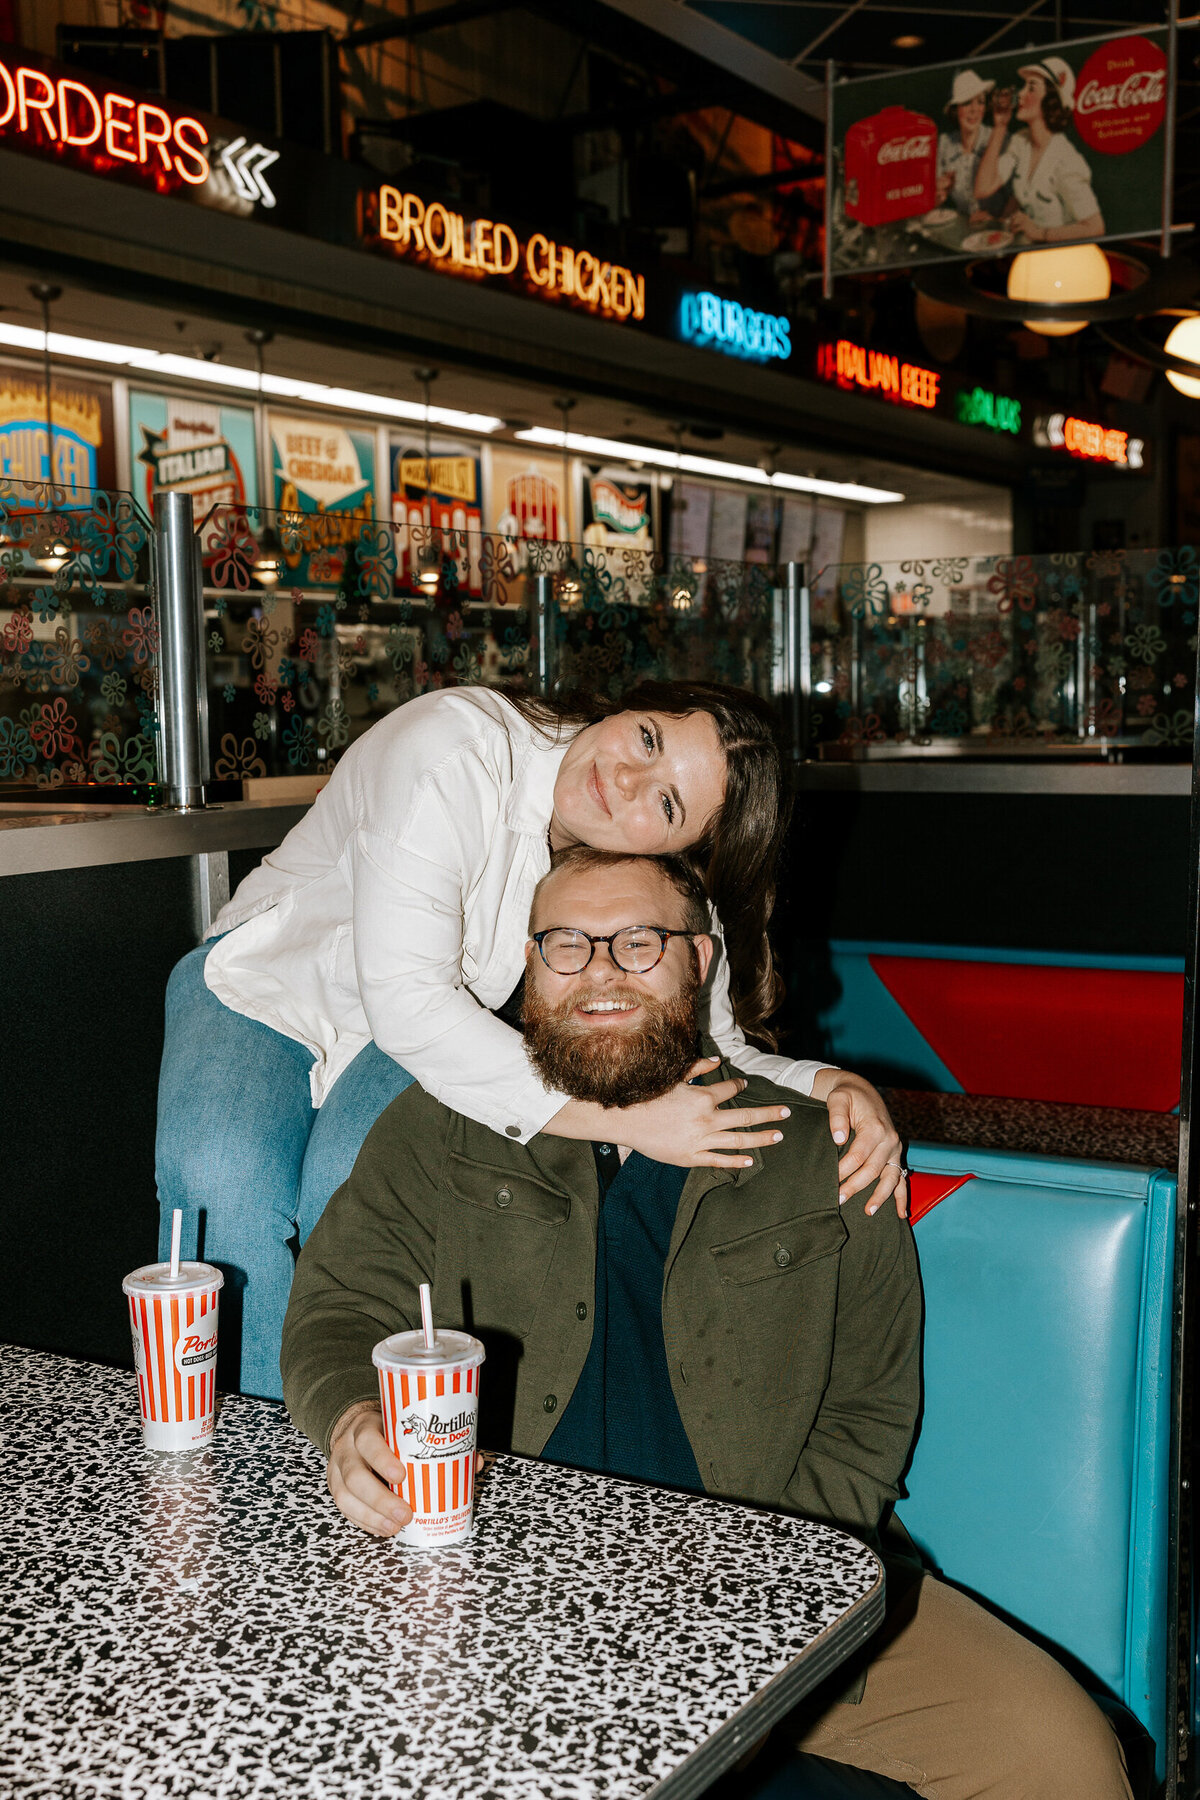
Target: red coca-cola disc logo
{"type": "Point", "coordinates": [1121, 95]}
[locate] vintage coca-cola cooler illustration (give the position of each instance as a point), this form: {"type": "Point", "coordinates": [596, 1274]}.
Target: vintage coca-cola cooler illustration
{"type": "Point", "coordinates": [891, 166]}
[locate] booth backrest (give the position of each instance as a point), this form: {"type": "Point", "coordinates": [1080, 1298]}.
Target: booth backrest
{"type": "Point", "coordinates": [1040, 1475]}
{"type": "Point", "coordinates": [1082, 1030]}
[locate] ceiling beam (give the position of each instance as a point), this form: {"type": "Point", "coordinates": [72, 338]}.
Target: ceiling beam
{"type": "Point", "coordinates": [435, 18]}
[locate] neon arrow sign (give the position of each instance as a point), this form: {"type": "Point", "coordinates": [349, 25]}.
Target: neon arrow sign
{"type": "Point", "coordinates": [244, 165]}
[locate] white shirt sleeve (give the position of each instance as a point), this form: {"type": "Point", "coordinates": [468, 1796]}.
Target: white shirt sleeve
{"type": "Point", "coordinates": [797, 1074]}
{"type": "Point", "coordinates": [408, 947]}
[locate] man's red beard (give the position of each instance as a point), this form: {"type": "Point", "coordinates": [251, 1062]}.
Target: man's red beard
{"type": "Point", "coordinates": [615, 1065]}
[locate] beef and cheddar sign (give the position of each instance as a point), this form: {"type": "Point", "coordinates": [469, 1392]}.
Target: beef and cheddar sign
{"type": "Point", "coordinates": [476, 249]}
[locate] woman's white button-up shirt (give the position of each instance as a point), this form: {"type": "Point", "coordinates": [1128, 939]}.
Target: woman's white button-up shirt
{"type": "Point", "coordinates": [398, 909]}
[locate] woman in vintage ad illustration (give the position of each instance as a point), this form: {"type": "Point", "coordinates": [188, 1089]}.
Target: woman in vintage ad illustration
{"type": "Point", "coordinates": [960, 149]}
{"type": "Point", "coordinates": [1052, 198]}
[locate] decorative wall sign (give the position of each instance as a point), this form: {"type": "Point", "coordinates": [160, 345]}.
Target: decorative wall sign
{"type": "Point", "coordinates": [445, 497]}
{"type": "Point", "coordinates": [192, 446]}
{"type": "Point", "coordinates": [1054, 145]}
{"type": "Point", "coordinates": [1091, 442]}
{"type": "Point", "coordinates": [324, 491]}
{"type": "Point", "coordinates": [432, 234]}
{"type": "Point", "coordinates": [713, 323]}
{"type": "Point", "coordinates": [618, 509]}
{"type": "Point", "coordinates": [81, 416]}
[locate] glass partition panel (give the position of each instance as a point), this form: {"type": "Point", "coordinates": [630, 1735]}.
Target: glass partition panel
{"type": "Point", "coordinates": [78, 645]}
{"type": "Point", "coordinates": [317, 625]}
{"type": "Point", "coordinates": [1007, 654]}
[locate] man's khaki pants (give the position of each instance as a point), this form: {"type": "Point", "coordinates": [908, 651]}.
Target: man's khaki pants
{"type": "Point", "coordinates": [960, 1707]}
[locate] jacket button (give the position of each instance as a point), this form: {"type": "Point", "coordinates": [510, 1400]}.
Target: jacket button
{"type": "Point", "coordinates": [504, 1197]}
{"type": "Point", "coordinates": [512, 1131]}
{"type": "Point", "coordinates": [581, 1310]}
{"type": "Point", "coordinates": [783, 1257]}
{"type": "Point", "coordinates": [550, 1403]}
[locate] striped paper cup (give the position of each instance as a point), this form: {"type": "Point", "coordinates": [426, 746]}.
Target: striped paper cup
{"type": "Point", "coordinates": [174, 1325]}
{"type": "Point", "coordinates": [430, 1402]}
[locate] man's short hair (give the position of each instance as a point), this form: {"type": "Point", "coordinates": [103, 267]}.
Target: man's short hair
{"type": "Point", "coordinates": [674, 869]}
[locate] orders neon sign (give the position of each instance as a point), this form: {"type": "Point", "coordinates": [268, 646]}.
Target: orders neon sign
{"type": "Point", "coordinates": [69, 113]}
{"type": "Point", "coordinates": [852, 366]}
{"type": "Point", "coordinates": [432, 233]}
{"type": "Point", "coordinates": [712, 323]}
{"type": "Point", "coordinates": [1090, 442]}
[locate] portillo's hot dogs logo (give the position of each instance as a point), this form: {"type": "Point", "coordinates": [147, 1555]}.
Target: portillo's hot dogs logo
{"type": "Point", "coordinates": [440, 238]}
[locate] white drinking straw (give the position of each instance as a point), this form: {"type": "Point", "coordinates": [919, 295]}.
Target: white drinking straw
{"type": "Point", "coordinates": [427, 1316]}
{"type": "Point", "coordinates": [176, 1228]}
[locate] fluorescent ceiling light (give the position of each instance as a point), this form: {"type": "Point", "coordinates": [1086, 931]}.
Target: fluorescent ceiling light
{"type": "Point", "coordinates": [277, 387]}
{"type": "Point", "coordinates": [684, 464]}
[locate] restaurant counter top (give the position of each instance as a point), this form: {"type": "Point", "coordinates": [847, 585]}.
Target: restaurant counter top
{"type": "Point", "coordinates": [35, 839]}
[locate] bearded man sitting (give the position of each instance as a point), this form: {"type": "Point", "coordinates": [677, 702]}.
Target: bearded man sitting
{"type": "Point", "coordinates": [728, 1330]}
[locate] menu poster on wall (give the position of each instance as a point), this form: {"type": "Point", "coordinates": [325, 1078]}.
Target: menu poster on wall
{"type": "Point", "coordinates": [447, 496]}
{"type": "Point", "coordinates": [691, 519]}
{"type": "Point", "coordinates": [728, 537]}
{"type": "Point", "coordinates": [796, 529]}
{"type": "Point", "coordinates": [829, 530]}
{"type": "Point", "coordinates": [194, 447]}
{"type": "Point", "coordinates": [81, 417]}
{"type": "Point", "coordinates": [618, 510]}
{"type": "Point", "coordinates": [323, 476]}
{"type": "Point", "coordinates": [762, 524]}
{"type": "Point", "coordinates": [527, 499]}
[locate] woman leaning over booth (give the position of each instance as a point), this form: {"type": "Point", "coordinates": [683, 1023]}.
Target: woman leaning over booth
{"type": "Point", "coordinates": [375, 946]}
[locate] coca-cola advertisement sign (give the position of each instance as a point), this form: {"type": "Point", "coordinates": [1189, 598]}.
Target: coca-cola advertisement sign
{"type": "Point", "coordinates": [1122, 96]}
{"type": "Point", "coordinates": [1054, 144]}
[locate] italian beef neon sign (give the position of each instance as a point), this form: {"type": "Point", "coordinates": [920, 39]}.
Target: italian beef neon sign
{"type": "Point", "coordinates": [68, 113]}
{"type": "Point", "coordinates": [852, 366]}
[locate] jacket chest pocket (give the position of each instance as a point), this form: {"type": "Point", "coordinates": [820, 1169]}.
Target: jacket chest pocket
{"type": "Point", "coordinates": [507, 1229]}
{"type": "Point", "coordinates": [779, 1287]}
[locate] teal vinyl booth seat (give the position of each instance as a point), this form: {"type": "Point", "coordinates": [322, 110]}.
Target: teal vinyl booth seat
{"type": "Point", "coordinates": [1039, 1479]}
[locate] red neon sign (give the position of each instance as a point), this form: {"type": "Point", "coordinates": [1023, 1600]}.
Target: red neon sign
{"type": "Point", "coordinates": [1090, 442]}
{"type": "Point", "coordinates": [69, 113]}
{"type": "Point", "coordinates": [852, 366]}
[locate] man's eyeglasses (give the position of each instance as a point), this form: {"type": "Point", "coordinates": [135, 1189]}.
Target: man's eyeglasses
{"type": "Point", "coordinates": [636, 949]}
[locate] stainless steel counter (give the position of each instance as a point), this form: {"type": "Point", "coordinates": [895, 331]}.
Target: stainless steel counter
{"type": "Point", "coordinates": [1104, 780]}
{"type": "Point", "coordinates": [35, 840]}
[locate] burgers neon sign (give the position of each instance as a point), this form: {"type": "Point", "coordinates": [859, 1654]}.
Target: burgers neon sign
{"type": "Point", "coordinates": [69, 114]}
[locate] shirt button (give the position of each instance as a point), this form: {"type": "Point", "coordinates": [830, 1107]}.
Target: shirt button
{"type": "Point", "coordinates": [581, 1310]}
{"type": "Point", "coordinates": [512, 1131]}
{"type": "Point", "coordinates": [783, 1257]}
{"type": "Point", "coordinates": [504, 1197]}
{"type": "Point", "coordinates": [550, 1403]}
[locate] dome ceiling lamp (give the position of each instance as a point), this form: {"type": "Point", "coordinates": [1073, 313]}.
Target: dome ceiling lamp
{"type": "Point", "coordinates": [1058, 277]}
{"type": "Point", "coordinates": [1141, 282]}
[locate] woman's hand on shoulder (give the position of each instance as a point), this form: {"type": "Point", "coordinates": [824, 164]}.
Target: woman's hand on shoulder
{"type": "Point", "coordinates": [693, 1127]}
{"type": "Point", "coordinates": [874, 1156]}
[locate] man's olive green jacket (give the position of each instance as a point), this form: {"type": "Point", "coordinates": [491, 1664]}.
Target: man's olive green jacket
{"type": "Point", "coordinates": [791, 1325]}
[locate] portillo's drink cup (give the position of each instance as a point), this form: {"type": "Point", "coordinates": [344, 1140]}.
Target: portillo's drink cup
{"type": "Point", "coordinates": [174, 1323]}
{"type": "Point", "coordinates": [430, 1402]}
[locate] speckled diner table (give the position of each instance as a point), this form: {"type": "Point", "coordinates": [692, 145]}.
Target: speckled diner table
{"type": "Point", "coordinates": [210, 1628]}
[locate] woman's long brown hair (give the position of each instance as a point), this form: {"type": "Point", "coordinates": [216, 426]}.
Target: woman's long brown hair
{"type": "Point", "coordinates": [738, 855]}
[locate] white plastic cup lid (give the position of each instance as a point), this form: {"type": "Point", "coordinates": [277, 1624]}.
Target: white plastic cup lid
{"type": "Point", "coordinates": [406, 1350]}
{"type": "Point", "coordinates": [157, 1278]}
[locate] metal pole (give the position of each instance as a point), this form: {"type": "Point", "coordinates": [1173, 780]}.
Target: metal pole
{"type": "Point", "coordinates": [1168, 198]}
{"type": "Point", "coordinates": [827, 272]}
{"type": "Point", "coordinates": [1179, 1494]}
{"type": "Point", "coordinates": [543, 596]}
{"type": "Point", "coordinates": [797, 649]}
{"type": "Point", "coordinates": [183, 698]}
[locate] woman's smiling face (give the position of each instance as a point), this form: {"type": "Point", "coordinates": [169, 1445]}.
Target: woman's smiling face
{"type": "Point", "coordinates": [645, 783]}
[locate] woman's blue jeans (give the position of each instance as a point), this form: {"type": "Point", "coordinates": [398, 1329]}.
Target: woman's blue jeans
{"type": "Point", "coordinates": [249, 1159]}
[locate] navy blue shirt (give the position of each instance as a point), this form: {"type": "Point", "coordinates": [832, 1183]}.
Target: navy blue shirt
{"type": "Point", "coordinates": [622, 1418]}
